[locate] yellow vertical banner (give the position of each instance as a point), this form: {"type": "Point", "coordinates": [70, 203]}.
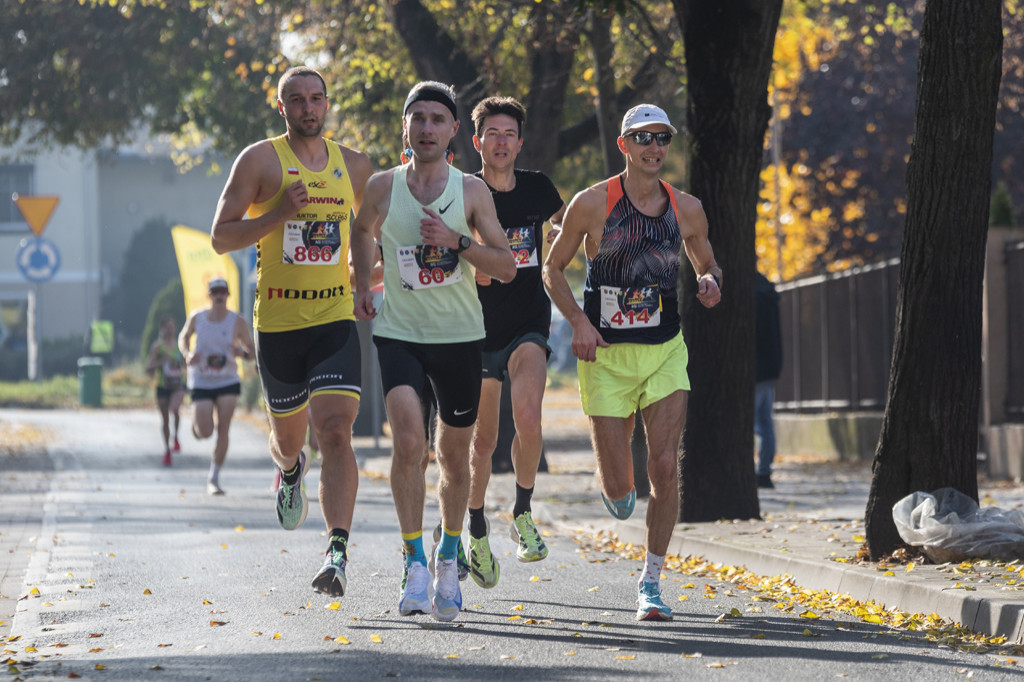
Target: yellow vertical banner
{"type": "Point", "coordinates": [198, 263]}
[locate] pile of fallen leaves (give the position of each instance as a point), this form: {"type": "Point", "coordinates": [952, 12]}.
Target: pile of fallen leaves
{"type": "Point", "coordinates": [788, 597]}
{"type": "Point", "coordinates": [21, 439]}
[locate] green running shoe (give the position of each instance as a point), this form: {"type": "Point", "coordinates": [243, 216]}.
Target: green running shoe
{"type": "Point", "coordinates": [483, 566]}
{"type": "Point", "coordinates": [524, 532]}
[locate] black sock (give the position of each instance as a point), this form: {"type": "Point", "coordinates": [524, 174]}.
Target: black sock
{"type": "Point", "coordinates": [339, 541]}
{"type": "Point", "coordinates": [477, 523]}
{"type": "Point", "coordinates": [292, 475]}
{"type": "Point", "coordinates": [523, 496]}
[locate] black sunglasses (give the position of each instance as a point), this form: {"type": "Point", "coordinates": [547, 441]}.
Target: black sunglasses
{"type": "Point", "coordinates": [645, 137]}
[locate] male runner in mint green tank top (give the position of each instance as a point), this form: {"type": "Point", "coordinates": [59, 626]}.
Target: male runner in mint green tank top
{"type": "Point", "coordinates": [436, 224]}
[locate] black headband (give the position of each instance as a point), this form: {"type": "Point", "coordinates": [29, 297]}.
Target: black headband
{"type": "Point", "coordinates": [430, 95]}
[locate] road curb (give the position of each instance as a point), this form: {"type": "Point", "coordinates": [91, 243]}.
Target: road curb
{"type": "Point", "coordinates": [925, 591]}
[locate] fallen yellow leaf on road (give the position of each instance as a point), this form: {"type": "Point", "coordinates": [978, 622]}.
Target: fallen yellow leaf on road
{"type": "Point", "coordinates": [146, 591]}
{"type": "Point", "coordinates": [34, 591]}
{"type": "Point", "coordinates": [451, 656]}
{"type": "Point", "coordinates": [809, 614]}
{"type": "Point", "coordinates": [625, 658]}
{"type": "Point", "coordinates": [342, 639]}
{"type": "Point", "coordinates": [217, 623]}
{"type": "Point", "coordinates": [277, 635]}
{"type": "Point", "coordinates": [333, 606]}
{"type": "Point", "coordinates": [517, 607]}
{"type": "Point", "coordinates": [376, 639]}
{"type": "Point", "coordinates": [239, 528]}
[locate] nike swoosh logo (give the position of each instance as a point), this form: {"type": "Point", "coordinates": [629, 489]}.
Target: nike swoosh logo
{"type": "Point", "coordinates": [442, 213]}
{"type": "Point", "coordinates": [459, 413]}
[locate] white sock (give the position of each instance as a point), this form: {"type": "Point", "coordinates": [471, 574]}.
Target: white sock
{"type": "Point", "coordinates": [214, 472]}
{"type": "Point", "coordinates": [652, 568]}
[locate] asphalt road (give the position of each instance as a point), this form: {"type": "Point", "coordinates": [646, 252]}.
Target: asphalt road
{"type": "Point", "coordinates": [120, 569]}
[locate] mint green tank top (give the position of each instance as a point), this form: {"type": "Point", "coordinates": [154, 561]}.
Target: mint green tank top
{"type": "Point", "coordinates": [429, 291]}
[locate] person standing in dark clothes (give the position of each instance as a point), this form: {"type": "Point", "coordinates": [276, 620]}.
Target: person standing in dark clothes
{"type": "Point", "coordinates": [767, 367]}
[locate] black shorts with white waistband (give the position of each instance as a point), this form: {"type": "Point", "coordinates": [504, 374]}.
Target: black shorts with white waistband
{"type": "Point", "coordinates": [297, 364]}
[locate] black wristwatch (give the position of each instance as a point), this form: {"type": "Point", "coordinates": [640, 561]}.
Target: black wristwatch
{"type": "Point", "coordinates": [464, 243]}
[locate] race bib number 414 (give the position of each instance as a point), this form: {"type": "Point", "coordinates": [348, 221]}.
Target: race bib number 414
{"type": "Point", "coordinates": [630, 308]}
{"type": "Point", "coordinates": [311, 243]}
{"type": "Point", "coordinates": [423, 266]}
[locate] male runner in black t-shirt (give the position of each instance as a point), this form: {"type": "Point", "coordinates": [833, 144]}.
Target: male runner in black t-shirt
{"type": "Point", "coordinates": [517, 316]}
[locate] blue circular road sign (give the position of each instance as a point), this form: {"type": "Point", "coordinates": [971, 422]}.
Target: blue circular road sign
{"type": "Point", "coordinates": [38, 259]}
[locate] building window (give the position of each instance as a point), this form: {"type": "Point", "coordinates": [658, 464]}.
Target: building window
{"type": "Point", "coordinates": [14, 179]}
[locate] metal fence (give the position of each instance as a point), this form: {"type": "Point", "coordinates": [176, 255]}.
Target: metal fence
{"type": "Point", "coordinates": [1014, 253]}
{"type": "Point", "coordinates": [837, 334]}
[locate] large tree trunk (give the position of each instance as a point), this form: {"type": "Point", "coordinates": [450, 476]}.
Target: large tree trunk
{"type": "Point", "coordinates": [929, 434]}
{"type": "Point", "coordinates": [729, 57]}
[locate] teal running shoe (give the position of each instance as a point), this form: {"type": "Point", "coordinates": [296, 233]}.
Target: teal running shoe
{"type": "Point", "coordinates": [292, 505]}
{"type": "Point", "coordinates": [621, 509]}
{"type": "Point", "coordinates": [651, 607]}
{"type": "Point", "coordinates": [331, 578]}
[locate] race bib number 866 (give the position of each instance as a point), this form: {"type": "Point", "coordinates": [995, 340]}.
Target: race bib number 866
{"type": "Point", "coordinates": [311, 243]}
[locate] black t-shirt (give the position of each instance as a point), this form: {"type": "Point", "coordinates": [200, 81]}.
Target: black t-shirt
{"type": "Point", "coordinates": [522, 305]}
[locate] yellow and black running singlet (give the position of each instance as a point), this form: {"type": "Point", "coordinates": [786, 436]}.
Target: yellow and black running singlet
{"type": "Point", "coordinates": [302, 275]}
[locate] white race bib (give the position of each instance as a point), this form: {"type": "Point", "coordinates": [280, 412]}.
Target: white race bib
{"type": "Point", "coordinates": [630, 308]}
{"type": "Point", "coordinates": [524, 246]}
{"type": "Point", "coordinates": [424, 267]}
{"type": "Point", "coordinates": [311, 243]}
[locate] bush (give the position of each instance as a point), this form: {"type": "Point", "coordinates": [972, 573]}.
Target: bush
{"type": "Point", "coordinates": [149, 262]}
{"type": "Point", "coordinates": [169, 301]}
{"type": "Point", "coordinates": [1001, 212]}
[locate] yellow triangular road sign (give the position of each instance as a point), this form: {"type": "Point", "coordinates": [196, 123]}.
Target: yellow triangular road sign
{"type": "Point", "coordinates": [37, 210]}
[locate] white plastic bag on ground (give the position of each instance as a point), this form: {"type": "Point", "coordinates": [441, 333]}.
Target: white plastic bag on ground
{"type": "Point", "coordinates": [949, 526]}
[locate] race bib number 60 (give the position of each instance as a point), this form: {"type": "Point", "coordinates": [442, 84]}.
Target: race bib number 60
{"type": "Point", "coordinates": [423, 266]}
{"type": "Point", "coordinates": [311, 243]}
{"type": "Point", "coordinates": [630, 308]}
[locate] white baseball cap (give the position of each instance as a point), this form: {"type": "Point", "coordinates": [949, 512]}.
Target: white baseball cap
{"type": "Point", "coordinates": [642, 115]}
{"type": "Point", "coordinates": [217, 283]}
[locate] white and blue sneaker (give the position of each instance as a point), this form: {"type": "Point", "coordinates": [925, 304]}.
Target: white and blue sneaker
{"type": "Point", "coordinates": [447, 595]}
{"type": "Point", "coordinates": [416, 590]}
{"type": "Point", "coordinates": [651, 607]}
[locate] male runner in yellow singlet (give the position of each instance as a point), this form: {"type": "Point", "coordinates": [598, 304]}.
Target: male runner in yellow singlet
{"type": "Point", "coordinates": [293, 196]}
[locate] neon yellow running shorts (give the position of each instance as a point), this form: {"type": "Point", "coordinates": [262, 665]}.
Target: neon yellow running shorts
{"type": "Point", "coordinates": [630, 376]}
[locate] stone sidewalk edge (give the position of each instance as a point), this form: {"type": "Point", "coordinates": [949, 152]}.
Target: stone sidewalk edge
{"type": "Point", "coordinates": [915, 594]}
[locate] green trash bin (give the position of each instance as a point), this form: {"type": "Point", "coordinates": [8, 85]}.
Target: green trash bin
{"type": "Point", "coordinates": [90, 382]}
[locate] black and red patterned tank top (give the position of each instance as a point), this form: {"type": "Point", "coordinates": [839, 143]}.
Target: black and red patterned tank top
{"type": "Point", "coordinates": [630, 293]}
